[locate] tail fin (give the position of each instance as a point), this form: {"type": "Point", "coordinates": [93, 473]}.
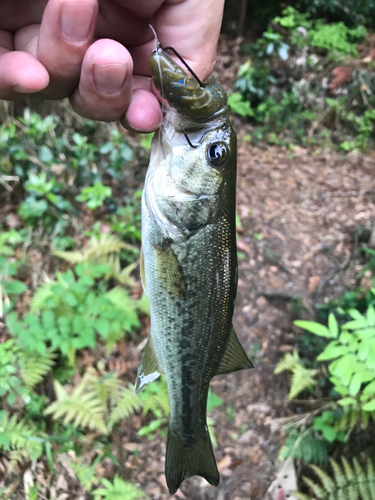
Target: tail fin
{"type": "Point", "coordinates": [182, 462]}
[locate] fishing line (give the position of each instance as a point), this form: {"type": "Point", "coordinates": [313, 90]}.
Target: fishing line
{"type": "Point", "coordinates": [184, 63]}
{"type": "Point", "coordinates": [163, 107]}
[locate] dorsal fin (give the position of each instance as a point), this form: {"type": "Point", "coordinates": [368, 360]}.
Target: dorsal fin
{"type": "Point", "coordinates": [234, 357]}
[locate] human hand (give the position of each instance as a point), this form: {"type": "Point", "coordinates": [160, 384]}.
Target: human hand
{"type": "Point", "coordinates": [96, 51]}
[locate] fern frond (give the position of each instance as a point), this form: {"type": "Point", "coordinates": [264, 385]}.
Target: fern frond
{"type": "Point", "coordinates": [42, 293]}
{"type": "Point", "coordinates": [104, 250]}
{"type": "Point", "coordinates": [353, 415]}
{"type": "Point", "coordinates": [348, 482]}
{"type": "Point", "coordinates": [157, 399]}
{"type": "Point", "coordinates": [127, 405]}
{"type": "Point", "coordinates": [19, 440]}
{"type": "Point", "coordinates": [85, 474]}
{"type": "Point", "coordinates": [118, 489]}
{"type": "Point", "coordinates": [82, 409]}
{"type": "Point", "coordinates": [34, 367]}
{"type": "Point", "coordinates": [287, 363]}
{"type": "Point", "coordinates": [97, 250]}
{"type": "Point", "coordinates": [302, 379]}
{"type": "Point", "coordinates": [108, 387]}
{"type": "Point", "coordinates": [305, 446]}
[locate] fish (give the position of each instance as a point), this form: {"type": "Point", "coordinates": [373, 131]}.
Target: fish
{"type": "Point", "coordinates": [189, 261]}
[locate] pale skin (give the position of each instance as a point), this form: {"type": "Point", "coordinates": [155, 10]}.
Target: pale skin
{"type": "Point", "coordinates": [96, 52]}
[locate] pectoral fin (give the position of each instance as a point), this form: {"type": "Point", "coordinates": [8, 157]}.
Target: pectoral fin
{"type": "Point", "coordinates": [149, 368]}
{"type": "Point", "coordinates": [234, 357]}
{"type": "Point", "coordinates": [169, 272]}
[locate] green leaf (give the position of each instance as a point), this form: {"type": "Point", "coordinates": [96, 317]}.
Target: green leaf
{"type": "Point", "coordinates": [347, 401]}
{"type": "Point", "coordinates": [370, 406]}
{"type": "Point", "coordinates": [313, 327]}
{"type": "Point", "coordinates": [14, 287]}
{"type": "Point", "coordinates": [343, 368]}
{"type": "Point", "coordinates": [370, 388]}
{"type": "Point", "coordinates": [70, 299]}
{"type": "Point", "coordinates": [371, 316]}
{"type": "Point", "coordinates": [355, 324]}
{"type": "Point", "coordinates": [213, 401]}
{"type": "Point", "coordinates": [355, 384]}
{"type": "Point", "coordinates": [102, 326]}
{"type": "Point", "coordinates": [332, 351]}
{"type": "Point", "coordinates": [333, 326]}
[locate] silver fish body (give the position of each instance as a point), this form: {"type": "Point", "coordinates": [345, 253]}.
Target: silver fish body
{"type": "Point", "coordinates": [190, 277]}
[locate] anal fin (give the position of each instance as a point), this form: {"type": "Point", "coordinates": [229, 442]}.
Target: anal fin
{"type": "Point", "coordinates": [234, 357]}
{"type": "Point", "coordinates": [149, 368]}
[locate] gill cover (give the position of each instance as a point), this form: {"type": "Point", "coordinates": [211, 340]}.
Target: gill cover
{"type": "Point", "coordinates": [182, 91]}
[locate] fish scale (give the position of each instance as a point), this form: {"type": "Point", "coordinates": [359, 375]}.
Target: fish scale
{"type": "Point", "coordinates": [189, 263]}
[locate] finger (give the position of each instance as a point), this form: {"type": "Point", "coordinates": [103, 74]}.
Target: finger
{"type": "Point", "coordinates": [192, 27]}
{"type": "Point", "coordinates": [144, 113]}
{"type": "Point", "coordinates": [66, 33]}
{"type": "Point", "coordinates": [21, 74]}
{"type": "Point", "coordinates": [105, 85]}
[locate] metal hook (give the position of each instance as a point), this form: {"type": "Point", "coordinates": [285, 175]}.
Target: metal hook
{"type": "Point", "coordinates": [189, 141]}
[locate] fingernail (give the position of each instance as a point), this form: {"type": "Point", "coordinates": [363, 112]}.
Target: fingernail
{"type": "Point", "coordinates": [109, 78]}
{"type": "Point", "coordinates": [76, 19]}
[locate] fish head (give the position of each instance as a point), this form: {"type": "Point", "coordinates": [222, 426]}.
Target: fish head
{"type": "Point", "coordinates": [190, 173]}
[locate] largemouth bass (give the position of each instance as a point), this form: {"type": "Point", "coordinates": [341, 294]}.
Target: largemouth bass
{"type": "Point", "coordinates": [189, 263]}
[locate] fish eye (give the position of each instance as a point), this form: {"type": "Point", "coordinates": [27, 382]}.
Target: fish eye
{"type": "Point", "coordinates": [218, 153]}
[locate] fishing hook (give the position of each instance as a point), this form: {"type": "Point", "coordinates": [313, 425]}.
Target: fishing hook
{"type": "Point", "coordinates": [189, 141]}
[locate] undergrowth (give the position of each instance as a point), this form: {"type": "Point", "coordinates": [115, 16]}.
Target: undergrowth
{"type": "Point", "coordinates": [284, 86]}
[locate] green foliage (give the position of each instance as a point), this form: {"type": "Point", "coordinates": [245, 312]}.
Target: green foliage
{"type": "Point", "coordinates": [324, 424]}
{"type": "Point", "coordinates": [118, 489]}
{"type": "Point", "coordinates": [34, 366]}
{"type": "Point", "coordinates": [302, 378]}
{"type": "Point", "coordinates": [19, 439]}
{"type": "Point", "coordinates": [94, 196]}
{"type": "Point", "coordinates": [336, 37]}
{"type": "Point", "coordinates": [10, 384]}
{"type": "Point", "coordinates": [351, 11]}
{"type": "Point", "coordinates": [10, 287]}
{"type": "Point", "coordinates": [127, 220]}
{"type": "Point", "coordinates": [239, 106]}
{"type": "Point", "coordinates": [50, 165]}
{"type": "Point", "coordinates": [86, 474]}
{"type": "Point", "coordinates": [332, 37]}
{"type": "Point", "coordinates": [70, 312]}
{"type": "Point", "coordinates": [97, 403]}
{"type": "Point", "coordinates": [104, 250]}
{"type": "Point", "coordinates": [278, 91]}
{"type": "Point", "coordinates": [44, 200]}
{"type": "Point", "coordinates": [348, 482]}
{"type": "Point", "coordinates": [305, 445]}
{"type": "Point", "coordinates": [155, 400]}
{"type": "Point", "coordinates": [353, 353]}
